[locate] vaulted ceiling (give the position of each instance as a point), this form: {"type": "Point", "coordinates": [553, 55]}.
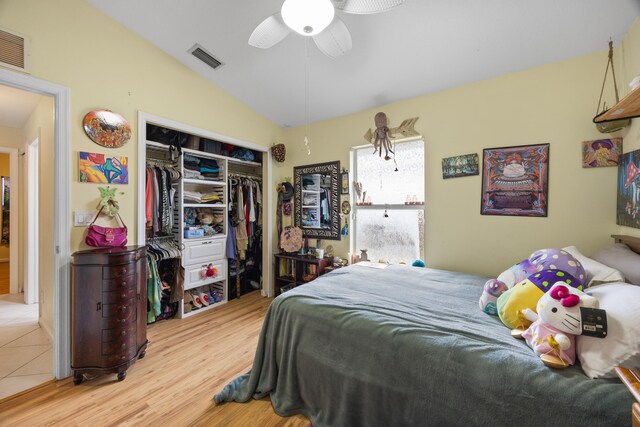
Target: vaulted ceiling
{"type": "Point", "coordinates": [420, 47]}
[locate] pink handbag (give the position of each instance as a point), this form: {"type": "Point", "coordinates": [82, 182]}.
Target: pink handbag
{"type": "Point", "coordinates": [105, 237]}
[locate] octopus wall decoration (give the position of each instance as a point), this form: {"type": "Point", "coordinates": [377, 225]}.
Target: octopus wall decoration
{"type": "Point", "coordinates": [381, 136]}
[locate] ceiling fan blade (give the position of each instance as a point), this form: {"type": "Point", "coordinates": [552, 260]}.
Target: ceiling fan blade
{"type": "Point", "coordinates": [270, 32]}
{"type": "Point", "coordinates": [335, 40]}
{"type": "Point", "coordinates": [363, 7]}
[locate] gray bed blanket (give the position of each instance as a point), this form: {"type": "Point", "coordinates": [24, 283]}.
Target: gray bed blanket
{"type": "Point", "coordinates": [408, 346]}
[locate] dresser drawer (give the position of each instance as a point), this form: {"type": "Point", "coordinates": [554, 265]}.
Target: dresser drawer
{"type": "Point", "coordinates": [109, 335]}
{"type": "Point", "coordinates": [119, 346]}
{"type": "Point", "coordinates": [119, 283]}
{"type": "Point", "coordinates": [118, 271]}
{"type": "Point", "coordinates": [114, 315]}
{"type": "Point", "coordinates": [119, 296]}
{"type": "Point", "coordinates": [203, 251]}
{"type": "Point", "coordinates": [192, 278]}
{"type": "Point", "coordinates": [119, 358]}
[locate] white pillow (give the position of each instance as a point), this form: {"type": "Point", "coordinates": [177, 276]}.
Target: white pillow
{"type": "Point", "coordinates": [597, 273]}
{"type": "Point", "coordinates": [621, 347]}
{"type": "Point", "coordinates": [622, 258]}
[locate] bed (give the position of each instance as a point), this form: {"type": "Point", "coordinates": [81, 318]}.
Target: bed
{"type": "Point", "coordinates": [409, 346]}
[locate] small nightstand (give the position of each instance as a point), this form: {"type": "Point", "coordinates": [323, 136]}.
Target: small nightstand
{"type": "Point", "coordinates": [631, 378]}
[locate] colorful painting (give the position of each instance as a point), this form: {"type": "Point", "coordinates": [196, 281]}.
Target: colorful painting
{"type": "Point", "coordinates": [457, 166]}
{"type": "Point", "coordinates": [103, 169]}
{"type": "Point", "coordinates": [601, 152]}
{"type": "Point", "coordinates": [106, 128]}
{"type": "Point", "coordinates": [515, 180]}
{"type": "Point", "coordinates": [628, 206]}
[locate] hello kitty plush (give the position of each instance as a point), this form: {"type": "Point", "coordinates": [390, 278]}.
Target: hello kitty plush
{"type": "Point", "coordinates": [558, 321]}
{"type": "Point", "coordinates": [543, 259]}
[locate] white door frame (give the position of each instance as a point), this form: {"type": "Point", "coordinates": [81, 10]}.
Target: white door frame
{"type": "Point", "coordinates": [14, 213]}
{"type": "Point", "coordinates": [61, 212]}
{"type": "Point", "coordinates": [32, 227]}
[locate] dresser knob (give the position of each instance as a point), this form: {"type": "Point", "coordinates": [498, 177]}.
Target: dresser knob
{"type": "Point", "coordinates": [123, 357]}
{"type": "Point", "coordinates": [123, 333]}
{"type": "Point", "coordinates": [124, 283]}
{"type": "Point", "coordinates": [124, 346]}
{"type": "Point", "coordinates": [123, 296]}
{"type": "Point", "coordinates": [122, 321]}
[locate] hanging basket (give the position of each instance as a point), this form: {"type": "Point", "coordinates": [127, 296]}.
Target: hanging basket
{"type": "Point", "coordinates": [614, 125]}
{"type": "Point", "coordinates": [278, 151]}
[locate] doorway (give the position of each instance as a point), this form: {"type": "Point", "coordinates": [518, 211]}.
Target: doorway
{"type": "Point", "coordinates": [58, 300]}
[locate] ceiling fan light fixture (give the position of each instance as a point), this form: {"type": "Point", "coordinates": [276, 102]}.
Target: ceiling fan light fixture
{"type": "Point", "coordinates": [307, 17]}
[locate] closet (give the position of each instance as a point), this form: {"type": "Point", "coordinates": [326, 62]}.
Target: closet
{"type": "Point", "coordinates": [202, 217]}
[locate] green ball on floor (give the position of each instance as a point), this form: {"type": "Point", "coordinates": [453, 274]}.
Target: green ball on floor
{"type": "Point", "coordinates": [418, 263]}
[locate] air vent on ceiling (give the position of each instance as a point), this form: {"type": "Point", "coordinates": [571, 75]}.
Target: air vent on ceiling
{"type": "Point", "coordinates": [204, 56]}
{"type": "Point", "coordinates": [14, 50]}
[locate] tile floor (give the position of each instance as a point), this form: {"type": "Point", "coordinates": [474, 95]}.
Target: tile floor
{"type": "Point", "coordinates": [25, 350]}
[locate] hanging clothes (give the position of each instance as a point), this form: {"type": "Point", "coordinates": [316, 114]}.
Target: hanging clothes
{"type": "Point", "coordinates": [244, 233]}
{"type": "Point", "coordinates": [165, 280]}
{"type": "Point", "coordinates": [159, 197]}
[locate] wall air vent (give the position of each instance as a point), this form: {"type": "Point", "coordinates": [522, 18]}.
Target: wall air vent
{"type": "Point", "coordinates": [204, 56]}
{"type": "Point", "coordinates": [14, 50]}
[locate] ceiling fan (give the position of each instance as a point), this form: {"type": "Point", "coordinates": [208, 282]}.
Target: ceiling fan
{"type": "Point", "coordinates": [316, 19]}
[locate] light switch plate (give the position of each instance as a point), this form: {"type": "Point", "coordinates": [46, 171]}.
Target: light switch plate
{"type": "Point", "coordinates": [82, 219]}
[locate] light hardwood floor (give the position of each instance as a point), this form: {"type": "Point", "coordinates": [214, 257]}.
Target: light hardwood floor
{"type": "Point", "coordinates": [187, 362]}
{"type": "Point", "coordinates": [4, 278]}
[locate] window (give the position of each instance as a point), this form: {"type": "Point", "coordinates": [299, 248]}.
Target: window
{"type": "Point", "coordinates": [388, 217]}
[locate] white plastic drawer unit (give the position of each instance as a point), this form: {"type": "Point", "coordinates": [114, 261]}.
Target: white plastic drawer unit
{"type": "Point", "coordinates": [203, 251]}
{"type": "Point", "coordinates": [194, 277]}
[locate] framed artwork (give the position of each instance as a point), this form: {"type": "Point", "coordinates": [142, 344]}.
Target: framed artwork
{"type": "Point", "coordinates": [106, 128]}
{"type": "Point", "coordinates": [457, 166]}
{"type": "Point", "coordinates": [628, 203]}
{"type": "Point", "coordinates": [601, 152]}
{"type": "Point", "coordinates": [344, 182]}
{"type": "Point", "coordinates": [103, 169]}
{"type": "Point", "coordinates": [515, 180]}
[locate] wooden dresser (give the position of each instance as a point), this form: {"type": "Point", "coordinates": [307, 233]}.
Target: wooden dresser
{"type": "Point", "coordinates": [108, 310]}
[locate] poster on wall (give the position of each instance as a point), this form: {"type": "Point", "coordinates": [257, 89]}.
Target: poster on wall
{"type": "Point", "coordinates": [628, 204]}
{"type": "Point", "coordinates": [515, 181]}
{"type": "Point", "coordinates": [457, 166]}
{"type": "Point", "coordinates": [103, 169]}
{"type": "Point", "coordinates": [601, 152]}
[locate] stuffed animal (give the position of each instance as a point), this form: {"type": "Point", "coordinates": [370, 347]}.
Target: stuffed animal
{"type": "Point", "coordinates": [544, 259]}
{"type": "Point", "coordinates": [208, 217]}
{"type": "Point", "coordinates": [558, 321]}
{"type": "Point", "coordinates": [525, 295]}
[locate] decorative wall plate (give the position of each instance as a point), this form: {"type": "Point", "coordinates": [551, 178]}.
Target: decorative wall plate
{"type": "Point", "coordinates": [346, 207]}
{"type": "Point", "coordinates": [106, 128]}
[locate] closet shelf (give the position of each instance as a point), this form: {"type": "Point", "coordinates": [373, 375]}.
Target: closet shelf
{"type": "Point", "coordinates": [200, 310]}
{"type": "Point", "coordinates": [204, 205]}
{"type": "Point", "coordinates": [242, 162]}
{"type": "Point", "coordinates": [215, 236]}
{"type": "Point", "coordinates": [204, 182]}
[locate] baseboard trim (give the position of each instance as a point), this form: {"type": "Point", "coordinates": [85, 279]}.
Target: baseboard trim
{"type": "Point", "coordinates": [29, 390]}
{"type": "Point", "coordinates": [46, 330]}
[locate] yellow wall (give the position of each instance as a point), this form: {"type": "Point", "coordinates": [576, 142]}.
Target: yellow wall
{"type": "Point", "coordinates": [41, 125]}
{"type": "Point", "coordinates": [550, 104]}
{"type": "Point", "coordinates": [5, 169]}
{"type": "Point", "coordinates": [10, 137]}
{"type": "Point", "coordinates": [107, 66]}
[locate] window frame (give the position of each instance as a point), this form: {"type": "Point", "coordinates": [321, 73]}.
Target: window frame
{"type": "Point", "coordinates": [353, 244]}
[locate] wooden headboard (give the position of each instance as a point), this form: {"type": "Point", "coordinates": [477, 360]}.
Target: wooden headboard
{"type": "Point", "coordinates": [632, 242]}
